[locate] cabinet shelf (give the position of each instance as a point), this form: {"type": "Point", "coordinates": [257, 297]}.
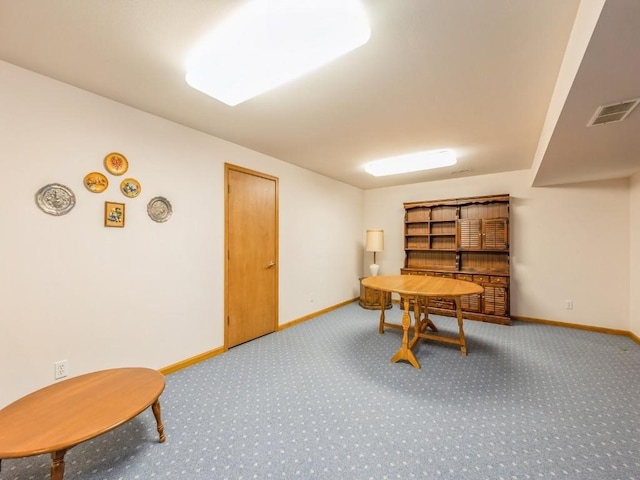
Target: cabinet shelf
{"type": "Point", "coordinates": [417, 249]}
{"type": "Point", "coordinates": [427, 235]}
{"type": "Point", "coordinates": [453, 220]}
{"type": "Point", "coordinates": [479, 250]}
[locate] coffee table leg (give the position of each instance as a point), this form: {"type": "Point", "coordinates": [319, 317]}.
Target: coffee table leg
{"type": "Point", "coordinates": [156, 413]}
{"type": "Point", "coordinates": [405, 352]}
{"type": "Point", "coordinates": [57, 464]}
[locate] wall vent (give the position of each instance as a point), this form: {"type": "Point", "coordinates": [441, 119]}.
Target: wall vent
{"type": "Point", "coordinates": [613, 113]}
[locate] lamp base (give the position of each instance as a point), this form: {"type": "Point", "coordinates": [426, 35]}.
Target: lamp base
{"type": "Point", "coordinates": [374, 269]}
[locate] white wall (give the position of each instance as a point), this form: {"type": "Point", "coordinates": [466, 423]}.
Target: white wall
{"type": "Point", "coordinates": [634, 284]}
{"type": "Point", "coordinates": [567, 243]}
{"type": "Point", "coordinates": [149, 294]}
{"type": "Point", "coordinates": [152, 294]}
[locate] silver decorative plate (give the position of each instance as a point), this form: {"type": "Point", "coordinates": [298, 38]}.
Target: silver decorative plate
{"type": "Point", "coordinates": [159, 209]}
{"type": "Point", "coordinates": [55, 199]}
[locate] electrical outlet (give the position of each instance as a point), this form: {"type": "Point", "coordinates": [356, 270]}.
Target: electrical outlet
{"type": "Point", "coordinates": [568, 304]}
{"type": "Point", "coordinates": [60, 369]}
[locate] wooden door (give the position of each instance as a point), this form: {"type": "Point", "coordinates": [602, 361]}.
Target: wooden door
{"type": "Point", "coordinates": [251, 240]}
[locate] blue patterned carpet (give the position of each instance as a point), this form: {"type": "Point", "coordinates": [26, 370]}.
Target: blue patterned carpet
{"type": "Point", "coordinates": [321, 400]}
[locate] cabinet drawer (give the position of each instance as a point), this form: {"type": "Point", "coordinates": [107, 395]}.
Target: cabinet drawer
{"type": "Point", "coordinates": [481, 278]}
{"type": "Point", "coordinates": [441, 303]}
{"type": "Point", "coordinates": [443, 275]}
{"type": "Point", "coordinates": [465, 276]}
{"type": "Point", "coordinates": [413, 272]}
{"type": "Point", "coordinates": [499, 280]}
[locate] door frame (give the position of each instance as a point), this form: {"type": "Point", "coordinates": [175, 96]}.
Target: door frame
{"type": "Point", "coordinates": [229, 167]}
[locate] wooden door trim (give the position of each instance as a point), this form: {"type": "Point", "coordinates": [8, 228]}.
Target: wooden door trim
{"type": "Point", "coordinates": [227, 168]}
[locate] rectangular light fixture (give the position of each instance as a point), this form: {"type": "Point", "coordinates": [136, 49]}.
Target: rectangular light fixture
{"type": "Point", "coordinates": [412, 162]}
{"type": "Point", "coordinates": [266, 43]}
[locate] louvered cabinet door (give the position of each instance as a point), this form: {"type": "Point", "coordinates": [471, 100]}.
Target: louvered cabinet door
{"type": "Point", "coordinates": [470, 303]}
{"type": "Point", "coordinates": [495, 234]}
{"type": "Point", "coordinates": [470, 234]}
{"type": "Point", "coordinates": [495, 301]}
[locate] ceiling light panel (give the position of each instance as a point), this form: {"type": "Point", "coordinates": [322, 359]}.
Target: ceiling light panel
{"type": "Point", "coordinates": [412, 162]}
{"type": "Point", "coordinates": [266, 43]}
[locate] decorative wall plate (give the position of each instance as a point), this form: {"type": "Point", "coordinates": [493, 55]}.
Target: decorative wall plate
{"type": "Point", "coordinates": [55, 199]}
{"type": "Point", "coordinates": [130, 187]}
{"type": "Point", "coordinates": [96, 182]}
{"type": "Point", "coordinates": [116, 163]}
{"type": "Point", "coordinates": [159, 209]}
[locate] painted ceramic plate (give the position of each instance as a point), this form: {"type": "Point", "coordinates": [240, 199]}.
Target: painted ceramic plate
{"type": "Point", "coordinates": [159, 209]}
{"type": "Point", "coordinates": [96, 182]}
{"type": "Point", "coordinates": [55, 199]}
{"type": "Point", "coordinates": [130, 187]}
{"type": "Point", "coordinates": [116, 163]}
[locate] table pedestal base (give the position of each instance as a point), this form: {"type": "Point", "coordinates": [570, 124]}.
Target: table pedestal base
{"type": "Point", "coordinates": [421, 324]}
{"type": "Point", "coordinates": [405, 352]}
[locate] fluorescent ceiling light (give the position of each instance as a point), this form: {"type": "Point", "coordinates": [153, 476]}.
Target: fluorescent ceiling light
{"type": "Point", "coordinates": [266, 43]}
{"type": "Point", "coordinates": [412, 162]}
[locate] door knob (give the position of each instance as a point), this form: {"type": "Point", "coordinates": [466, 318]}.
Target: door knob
{"type": "Point", "coordinates": [271, 264]}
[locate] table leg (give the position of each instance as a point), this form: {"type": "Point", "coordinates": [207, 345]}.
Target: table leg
{"type": "Point", "coordinates": [381, 300]}
{"type": "Point", "coordinates": [420, 325]}
{"type": "Point", "coordinates": [426, 321]}
{"type": "Point", "coordinates": [463, 343]}
{"type": "Point", "coordinates": [156, 413]}
{"type": "Point", "coordinates": [416, 315]}
{"type": "Point", "coordinates": [405, 352]}
{"type": "Point", "coordinates": [57, 464]}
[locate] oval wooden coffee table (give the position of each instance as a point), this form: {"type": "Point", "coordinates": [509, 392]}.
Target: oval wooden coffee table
{"type": "Point", "coordinates": [62, 415]}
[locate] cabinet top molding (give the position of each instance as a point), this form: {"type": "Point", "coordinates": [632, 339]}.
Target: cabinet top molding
{"type": "Point", "coordinates": [458, 201]}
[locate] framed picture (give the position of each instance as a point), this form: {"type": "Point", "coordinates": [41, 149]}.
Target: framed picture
{"type": "Point", "coordinates": [113, 214]}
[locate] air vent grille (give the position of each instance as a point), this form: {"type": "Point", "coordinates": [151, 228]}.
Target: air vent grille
{"type": "Point", "coordinates": [613, 113]}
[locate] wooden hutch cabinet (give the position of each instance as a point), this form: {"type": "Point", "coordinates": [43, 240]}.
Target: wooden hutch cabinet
{"type": "Point", "coordinates": [467, 239]}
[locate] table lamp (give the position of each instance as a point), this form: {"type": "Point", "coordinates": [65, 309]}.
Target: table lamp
{"type": "Point", "coordinates": [375, 243]}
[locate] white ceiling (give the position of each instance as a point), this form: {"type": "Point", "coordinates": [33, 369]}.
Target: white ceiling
{"type": "Point", "coordinates": [477, 76]}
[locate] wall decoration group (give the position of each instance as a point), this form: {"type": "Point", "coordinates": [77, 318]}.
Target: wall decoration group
{"type": "Point", "coordinates": [57, 199]}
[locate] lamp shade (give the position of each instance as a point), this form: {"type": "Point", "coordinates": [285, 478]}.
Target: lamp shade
{"type": "Point", "coordinates": [375, 241]}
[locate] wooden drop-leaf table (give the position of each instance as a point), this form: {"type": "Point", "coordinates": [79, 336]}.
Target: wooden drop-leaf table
{"type": "Point", "coordinates": [417, 289]}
